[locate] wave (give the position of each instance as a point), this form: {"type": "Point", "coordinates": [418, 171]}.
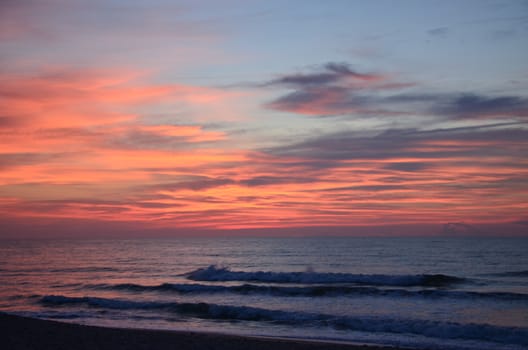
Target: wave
{"type": "Point", "coordinates": [310, 291]}
{"type": "Point", "coordinates": [213, 273]}
{"type": "Point", "coordinates": [433, 329]}
{"type": "Point", "coordinates": [523, 273]}
{"type": "Point", "coordinates": [58, 315]}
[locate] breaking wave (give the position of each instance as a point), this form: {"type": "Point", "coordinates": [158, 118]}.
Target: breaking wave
{"type": "Point", "coordinates": [428, 328]}
{"type": "Point", "coordinates": [214, 273]}
{"type": "Point", "coordinates": [309, 291]}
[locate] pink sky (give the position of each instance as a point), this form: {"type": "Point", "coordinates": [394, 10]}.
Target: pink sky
{"type": "Point", "coordinates": [157, 119]}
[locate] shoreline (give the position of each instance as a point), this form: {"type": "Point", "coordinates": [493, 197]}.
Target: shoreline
{"type": "Point", "coordinates": [24, 333]}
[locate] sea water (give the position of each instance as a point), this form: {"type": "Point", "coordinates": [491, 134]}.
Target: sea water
{"type": "Point", "coordinates": [434, 293]}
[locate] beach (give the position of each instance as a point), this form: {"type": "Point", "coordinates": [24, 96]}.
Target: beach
{"type": "Point", "coordinates": [22, 333]}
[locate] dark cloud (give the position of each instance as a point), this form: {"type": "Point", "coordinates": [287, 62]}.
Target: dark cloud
{"type": "Point", "coordinates": [331, 73]}
{"type": "Point", "coordinates": [473, 106]}
{"type": "Point", "coordinates": [332, 90]}
{"type": "Point", "coordinates": [439, 32]}
{"type": "Point", "coordinates": [321, 101]}
{"type": "Point", "coordinates": [475, 142]}
{"type": "Point", "coordinates": [340, 100]}
{"type": "Point", "coordinates": [339, 90]}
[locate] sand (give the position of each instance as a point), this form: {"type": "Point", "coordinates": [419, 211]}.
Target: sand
{"type": "Point", "coordinates": [21, 333]}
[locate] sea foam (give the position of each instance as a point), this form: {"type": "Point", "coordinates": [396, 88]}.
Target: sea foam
{"type": "Point", "coordinates": [214, 273]}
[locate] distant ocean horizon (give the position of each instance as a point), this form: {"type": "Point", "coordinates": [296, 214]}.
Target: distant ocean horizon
{"type": "Point", "coordinates": [424, 292]}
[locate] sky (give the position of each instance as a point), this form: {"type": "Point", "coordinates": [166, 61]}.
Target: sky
{"type": "Point", "coordinates": [149, 117]}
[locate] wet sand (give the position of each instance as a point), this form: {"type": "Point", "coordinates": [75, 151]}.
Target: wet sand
{"type": "Point", "coordinates": [21, 333]}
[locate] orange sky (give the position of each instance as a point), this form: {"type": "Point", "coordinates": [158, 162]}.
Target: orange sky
{"type": "Point", "coordinates": [123, 141]}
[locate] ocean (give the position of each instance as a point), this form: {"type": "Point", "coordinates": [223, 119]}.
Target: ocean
{"type": "Point", "coordinates": [433, 293]}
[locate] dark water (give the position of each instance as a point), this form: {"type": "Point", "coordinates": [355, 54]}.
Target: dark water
{"type": "Point", "coordinates": [438, 293]}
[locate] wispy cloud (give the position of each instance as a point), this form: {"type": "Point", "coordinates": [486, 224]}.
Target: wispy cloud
{"type": "Point", "coordinates": [78, 141]}
{"type": "Point", "coordinates": [193, 183]}
{"type": "Point", "coordinates": [331, 73]}
{"type": "Point", "coordinates": [19, 159]}
{"type": "Point", "coordinates": [410, 143]}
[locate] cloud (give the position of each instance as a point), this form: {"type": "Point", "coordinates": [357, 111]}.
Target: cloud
{"type": "Point", "coordinates": [67, 208]}
{"type": "Point", "coordinates": [71, 97]}
{"type": "Point", "coordinates": [449, 173]}
{"type": "Point", "coordinates": [9, 122]}
{"type": "Point", "coordinates": [399, 177]}
{"type": "Point", "coordinates": [338, 90]}
{"type": "Point", "coordinates": [407, 166]}
{"type": "Point", "coordinates": [171, 173]}
{"type": "Point", "coordinates": [200, 183]}
{"type": "Point", "coordinates": [473, 106]}
{"type": "Point", "coordinates": [86, 110]}
{"type": "Point", "coordinates": [70, 136]}
{"type": "Point", "coordinates": [477, 142]}
{"type": "Point", "coordinates": [161, 137]}
{"type": "Point", "coordinates": [367, 188]}
{"type": "Point", "coordinates": [267, 180]}
{"type": "Point", "coordinates": [8, 160]}
{"type": "Point", "coordinates": [320, 101]}
{"type": "Point", "coordinates": [193, 183]}
{"type": "Point", "coordinates": [438, 32]}
{"type": "Point", "coordinates": [332, 73]}
{"type": "Point", "coordinates": [458, 106]}
{"type": "Point", "coordinates": [335, 89]}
